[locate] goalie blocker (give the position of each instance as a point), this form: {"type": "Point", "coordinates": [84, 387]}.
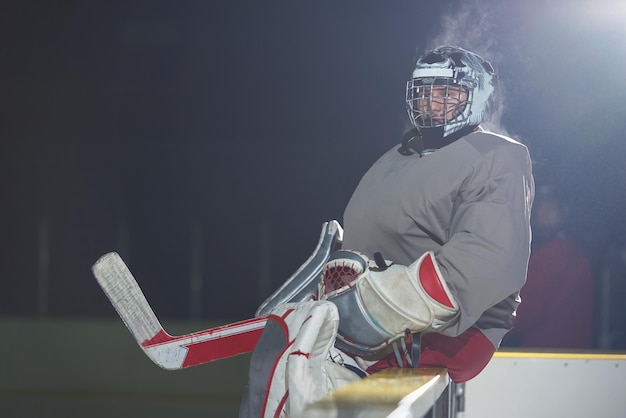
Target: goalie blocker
{"type": "Point", "coordinates": [380, 304]}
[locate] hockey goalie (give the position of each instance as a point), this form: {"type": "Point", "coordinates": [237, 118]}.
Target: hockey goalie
{"type": "Point", "coordinates": [434, 252]}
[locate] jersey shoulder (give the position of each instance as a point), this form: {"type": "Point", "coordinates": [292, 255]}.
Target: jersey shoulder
{"type": "Point", "coordinates": [488, 140]}
{"type": "Point", "coordinates": [492, 144]}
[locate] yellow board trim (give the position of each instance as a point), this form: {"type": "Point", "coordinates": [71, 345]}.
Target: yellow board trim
{"type": "Point", "coordinates": [405, 390]}
{"type": "Point", "coordinates": [387, 386]}
{"type": "Point", "coordinates": [559, 355]}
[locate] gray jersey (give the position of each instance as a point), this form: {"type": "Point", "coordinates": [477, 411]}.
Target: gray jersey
{"type": "Point", "coordinates": [469, 202]}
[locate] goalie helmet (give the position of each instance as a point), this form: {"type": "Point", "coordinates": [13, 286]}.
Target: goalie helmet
{"type": "Point", "coordinates": [450, 89]}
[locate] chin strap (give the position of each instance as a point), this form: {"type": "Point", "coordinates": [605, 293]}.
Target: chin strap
{"type": "Point", "coordinates": [430, 139]}
{"type": "Point", "coordinates": [411, 141]}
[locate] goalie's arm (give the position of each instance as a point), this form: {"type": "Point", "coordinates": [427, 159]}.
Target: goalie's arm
{"type": "Point", "coordinates": [484, 261]}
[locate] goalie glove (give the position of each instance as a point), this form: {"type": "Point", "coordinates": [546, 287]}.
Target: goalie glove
{"type": "Point", "coordinates": [379, 305]}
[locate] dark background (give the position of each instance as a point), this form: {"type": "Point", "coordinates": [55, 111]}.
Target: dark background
{"type": "Point", "coordinates": [214, 138]}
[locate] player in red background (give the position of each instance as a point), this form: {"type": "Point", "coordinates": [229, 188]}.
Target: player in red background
{"type": "Point", "coordinates": [557, 300]}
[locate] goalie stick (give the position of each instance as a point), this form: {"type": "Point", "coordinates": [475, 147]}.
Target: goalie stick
{"type": "Point", "coordinates": [167, 351]}
{"type": "Point", "coordinates": [179, 352]}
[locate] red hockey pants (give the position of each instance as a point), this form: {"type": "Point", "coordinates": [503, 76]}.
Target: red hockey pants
{"type": "Point", "coordinates": [464, 356]}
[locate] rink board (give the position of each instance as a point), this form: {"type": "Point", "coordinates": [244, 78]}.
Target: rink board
{"type": "Point", "coordinates": [389, 393]}
{"type": "Point", "coordinates": [548, 384]}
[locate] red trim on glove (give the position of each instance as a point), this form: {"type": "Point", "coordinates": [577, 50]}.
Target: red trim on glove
{"type": "Point", "coordinates": [431, 282]}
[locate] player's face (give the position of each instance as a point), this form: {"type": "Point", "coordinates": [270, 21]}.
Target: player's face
{"type": "Point", "coordinates": [439, 104]}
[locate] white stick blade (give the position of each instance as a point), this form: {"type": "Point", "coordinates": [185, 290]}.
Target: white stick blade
{"type": "Point", "coordinates": [122, 289]}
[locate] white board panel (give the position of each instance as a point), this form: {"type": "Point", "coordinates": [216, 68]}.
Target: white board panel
{"type": "Point", "coordinates": [522, 385]}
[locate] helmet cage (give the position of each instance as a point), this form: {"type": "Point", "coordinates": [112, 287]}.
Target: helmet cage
{"type": "Point", "coordinates": [449, 67]}
{"type": "Point", "coordinates": [437, 101]}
